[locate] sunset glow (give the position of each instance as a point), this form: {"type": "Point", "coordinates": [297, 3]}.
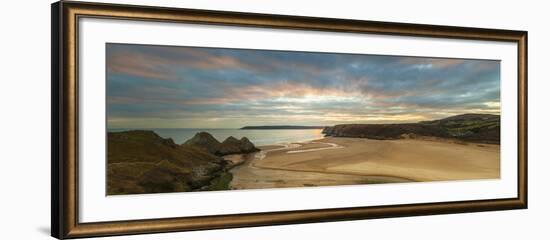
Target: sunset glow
{"type": "Point", "coordinates": [191, 87]}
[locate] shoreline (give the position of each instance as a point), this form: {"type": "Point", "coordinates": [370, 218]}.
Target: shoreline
{"type": "Point", "coordinates": [349, 161]}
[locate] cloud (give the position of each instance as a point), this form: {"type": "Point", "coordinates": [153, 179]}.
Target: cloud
{"type": "Point", "coordinates": [235, 86]}
{"type": "Point", "coordinates": [158, 62]}
{"type": "Point", "coordinates": [440, 63]}
{"type": "Point", "coordinates": [138, 65]}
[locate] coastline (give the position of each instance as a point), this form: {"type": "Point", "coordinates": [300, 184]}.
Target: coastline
{"type": "Point", "coordinates": [150, 163]}
{"type": "Point", "coordinates": [257, 136]}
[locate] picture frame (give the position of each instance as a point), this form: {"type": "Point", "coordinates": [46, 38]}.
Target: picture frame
{"type": "Point", "coordinates": [67, 113]}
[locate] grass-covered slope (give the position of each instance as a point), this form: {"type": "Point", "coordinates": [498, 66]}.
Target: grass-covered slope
{"type": "Point", "coordinates": [470, 127]}
{"type": "Point", "coordinates": [483, 128]}
{"type": "Point", "coordinates": [143, 162]}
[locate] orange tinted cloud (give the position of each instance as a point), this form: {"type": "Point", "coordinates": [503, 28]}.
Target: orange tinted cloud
{"type": "Point", "coordinates": [156, 67]}
{"type": "Point", "coordinates": [139, 65]}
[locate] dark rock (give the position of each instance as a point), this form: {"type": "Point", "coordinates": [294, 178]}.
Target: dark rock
{"type": "Point", "coordinates": [328, 131]}
{"type": "Point", "coordinates": [169, 142]}
{"type": "Point", "coordinates": [247, 146]}
{"type": "Point", "coordinates": [205, 141]}
{"type": "Point", "coordinates": [231, 145]}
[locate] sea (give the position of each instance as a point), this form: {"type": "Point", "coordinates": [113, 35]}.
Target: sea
{"type": "Point", "coordinates": [258, 137]}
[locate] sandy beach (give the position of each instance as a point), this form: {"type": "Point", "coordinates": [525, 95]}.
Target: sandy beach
{"type": "Point", "coordinates": [344, 161]}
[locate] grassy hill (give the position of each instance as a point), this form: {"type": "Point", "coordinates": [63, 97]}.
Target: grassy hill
{"type": "Point", "coordinates": [470, 127]}
{"type": "Point", "coordinates": [483, 128]}
{"type": "Point", "coordinates": [143, 162]}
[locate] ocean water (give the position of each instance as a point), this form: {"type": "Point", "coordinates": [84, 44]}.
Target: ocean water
{"type": "Point", "coordinates": [258, 137]}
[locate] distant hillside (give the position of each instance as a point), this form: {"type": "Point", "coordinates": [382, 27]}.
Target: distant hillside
{"type": "Point", "coordinates": [484, 128]}
{"type": "Point", "coordinates": [283, 127]}
{"type": "Point", "coordinates": [466, 117]}
{"type": "Point", "coordinates": [143, 162]}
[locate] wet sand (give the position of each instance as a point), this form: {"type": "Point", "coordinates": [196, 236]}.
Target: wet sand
{"type": "Point", "coordinates": [345, 161]}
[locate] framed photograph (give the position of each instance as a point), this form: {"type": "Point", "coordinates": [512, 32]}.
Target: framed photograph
{"type": "Point", "coordinates": [167, 119]}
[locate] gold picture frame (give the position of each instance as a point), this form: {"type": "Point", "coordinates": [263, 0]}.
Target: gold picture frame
{"type": "Point", "coordinates": [65, 127]}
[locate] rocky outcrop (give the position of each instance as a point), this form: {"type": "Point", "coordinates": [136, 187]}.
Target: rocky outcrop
{"type": "Point", "coordinates": [205, 141]}
{"type": "Point", "coordinates": [328, 131]}
{"type": "Point", "coordinates": [231, 145]}
{"type": "Point", "coordinates": [247, 145]}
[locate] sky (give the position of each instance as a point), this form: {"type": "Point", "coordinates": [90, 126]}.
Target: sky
{"type": "Point", "coordinates": [192, 87]}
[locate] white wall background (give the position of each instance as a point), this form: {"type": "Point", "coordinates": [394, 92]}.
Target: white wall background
{"type": "Point", "coordinates": [25, 117]}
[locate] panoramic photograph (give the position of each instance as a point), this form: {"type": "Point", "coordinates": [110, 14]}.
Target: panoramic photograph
{"type": "Point", "coordinates": [187, 119]}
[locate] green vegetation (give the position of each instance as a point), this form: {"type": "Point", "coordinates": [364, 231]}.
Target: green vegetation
{"type": "Point", "coordinates": [483, 128]}
{"type": "Point", "coordinates": [471, 127]}
{"type": "Point", "coordinates": [221, 183]}
{"type": "Point", "coordinates": [143, 162]}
